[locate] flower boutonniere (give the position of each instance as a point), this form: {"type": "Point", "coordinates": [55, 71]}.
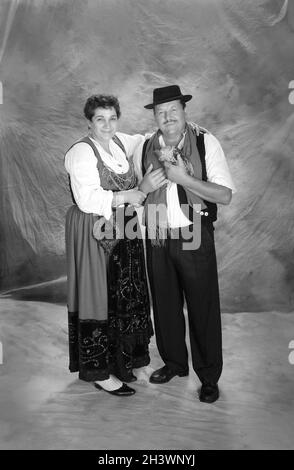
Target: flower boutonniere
{"type": "Point", "coordinates": [170, 155]}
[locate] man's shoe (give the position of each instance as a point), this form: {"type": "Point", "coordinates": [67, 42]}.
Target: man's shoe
{"type": "Point", "coordinates": [123, 391]}
{"type": "Point", "coordinates": [209, 392]}
{"type": "Point", "coordinates": [164, 375]}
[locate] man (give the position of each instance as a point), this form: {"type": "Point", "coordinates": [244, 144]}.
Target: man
{"type": "Point", "coordinates": [198, 176]}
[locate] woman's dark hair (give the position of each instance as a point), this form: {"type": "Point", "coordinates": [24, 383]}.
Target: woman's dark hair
{"type": "Point", "coordinates": [101, 101]}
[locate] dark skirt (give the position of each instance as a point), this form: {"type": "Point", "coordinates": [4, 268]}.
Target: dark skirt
{"type": "Point", "coordinates": [108, 303]}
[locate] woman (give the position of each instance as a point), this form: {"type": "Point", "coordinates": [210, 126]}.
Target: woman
{"type": "Point", "coordinates": [108, 304]}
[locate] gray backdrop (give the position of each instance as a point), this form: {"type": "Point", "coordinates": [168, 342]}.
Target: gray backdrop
{"type": "Point", "coordinates": [234, 57]}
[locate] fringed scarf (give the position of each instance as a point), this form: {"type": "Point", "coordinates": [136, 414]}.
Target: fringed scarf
{"type": "Point", "coordinates": [157, 226]}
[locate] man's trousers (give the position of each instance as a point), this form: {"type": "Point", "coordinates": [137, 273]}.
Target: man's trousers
{"type": "Point", "coordinates": [173, 274]}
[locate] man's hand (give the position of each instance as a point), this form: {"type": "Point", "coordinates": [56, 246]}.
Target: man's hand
{"type": "Point", "coordinates": [152, 180]}
{"type": "Point", "coordinates": [176, 173]}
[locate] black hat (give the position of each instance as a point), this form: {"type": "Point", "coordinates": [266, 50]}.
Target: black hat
{"type": "Point", "coordinates": [166, 94]}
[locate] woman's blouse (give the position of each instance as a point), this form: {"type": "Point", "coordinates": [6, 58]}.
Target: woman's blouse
{"type": "Point", "coordinates": [81, 164]}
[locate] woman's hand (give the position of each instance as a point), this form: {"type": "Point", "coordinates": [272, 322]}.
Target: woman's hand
{"type": "Point", "coordinates": [135, 197]}
{"type": "Point", "coordinates": [152, 180]}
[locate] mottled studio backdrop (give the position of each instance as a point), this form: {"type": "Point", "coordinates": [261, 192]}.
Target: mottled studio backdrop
{"type": "Point", "coordinates": [236, 59]}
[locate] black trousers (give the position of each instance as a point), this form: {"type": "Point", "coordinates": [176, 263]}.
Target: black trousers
{"type": "Point", "coordinates": [173, 273]}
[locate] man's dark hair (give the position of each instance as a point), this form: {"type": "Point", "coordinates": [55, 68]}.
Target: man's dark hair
{"type": "Point", "coordinates": [101, 101]}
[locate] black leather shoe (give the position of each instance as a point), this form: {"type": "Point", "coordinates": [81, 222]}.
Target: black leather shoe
{"type": "Point", "coordinates": [164, 375]}
{"type": "Point", "coordinates": [209, 392]}
{"type": "Point", "coordinates": [123, 391]}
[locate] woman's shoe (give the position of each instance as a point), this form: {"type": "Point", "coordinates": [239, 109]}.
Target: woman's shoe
{"type": "Point", "coordinates": [123, 391]}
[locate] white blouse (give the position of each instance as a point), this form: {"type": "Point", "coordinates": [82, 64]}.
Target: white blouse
{"type": "Point", "coordinates": [81, 164]}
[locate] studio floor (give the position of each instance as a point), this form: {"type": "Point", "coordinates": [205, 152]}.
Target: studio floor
{"type": "Point", "coordinates": [44, 406]}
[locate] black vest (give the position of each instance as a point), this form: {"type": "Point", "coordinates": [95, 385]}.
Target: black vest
{"type": "Point", "coordinates": [211, 206]}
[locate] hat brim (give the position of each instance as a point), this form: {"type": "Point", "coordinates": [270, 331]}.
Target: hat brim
{"type": "Point", "coordinates": [184, 98]}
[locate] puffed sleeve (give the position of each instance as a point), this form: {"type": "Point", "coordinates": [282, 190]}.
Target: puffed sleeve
{"type": "Point", "coordinates": [216, 164]}
{"type": "Point", "coordinates": [134, 145]}
{"type": "Point", "coordinates": [80, 163]}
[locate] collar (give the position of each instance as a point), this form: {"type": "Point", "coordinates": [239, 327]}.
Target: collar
{"type": "Point", "coordinates": [179, 144]}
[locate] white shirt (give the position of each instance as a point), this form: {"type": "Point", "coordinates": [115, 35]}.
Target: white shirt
{"type": "Point", "coordinates": [81, 164]}
{"type": "Point", "coordinates": [217, 172]}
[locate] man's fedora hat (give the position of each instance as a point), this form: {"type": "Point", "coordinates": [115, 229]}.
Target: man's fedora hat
{"type": "Point", "coordinates": [166, 94]}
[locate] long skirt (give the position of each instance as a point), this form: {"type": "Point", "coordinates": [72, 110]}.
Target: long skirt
{"type": "Point", "coordinates": [109, 320]}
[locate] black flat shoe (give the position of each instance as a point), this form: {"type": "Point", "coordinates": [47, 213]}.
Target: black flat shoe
{"type": "Point", "coordinates": [164, 375]}
{"type": "Point", "coordinates": [123, 391]}
{"type": "Point", "coordinates": [209, 393]}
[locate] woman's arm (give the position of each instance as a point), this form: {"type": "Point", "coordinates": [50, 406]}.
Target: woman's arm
{"type": "Point", "coordinates": [90, 197]}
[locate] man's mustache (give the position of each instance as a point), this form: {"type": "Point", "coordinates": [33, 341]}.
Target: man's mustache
{"type": "Point", "coordinates": [170, 120]}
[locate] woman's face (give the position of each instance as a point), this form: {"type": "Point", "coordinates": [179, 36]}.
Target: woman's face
{"type": "Point", "coordinates": [104, 124]}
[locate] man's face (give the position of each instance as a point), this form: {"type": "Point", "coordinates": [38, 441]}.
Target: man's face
{"type": "Point", "coordinates": [170, 118]}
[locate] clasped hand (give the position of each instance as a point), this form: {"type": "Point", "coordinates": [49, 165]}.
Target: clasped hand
{"type": "Point", "coordinates": [135, 197]}
{"type": "Point", "coordinates": [152, 179]}
{"type": "Point", "coordinates": [176, 172]}
{"type": "Point", "coordinates": [169, 172]}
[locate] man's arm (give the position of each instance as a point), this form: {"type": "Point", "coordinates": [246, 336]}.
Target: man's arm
{"type": "Point", "coordinates": [219, 185]}
{"type": "Point", "coordinates": [209, 191]}
{"type": "Point", "coordinates": [205, 189]}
